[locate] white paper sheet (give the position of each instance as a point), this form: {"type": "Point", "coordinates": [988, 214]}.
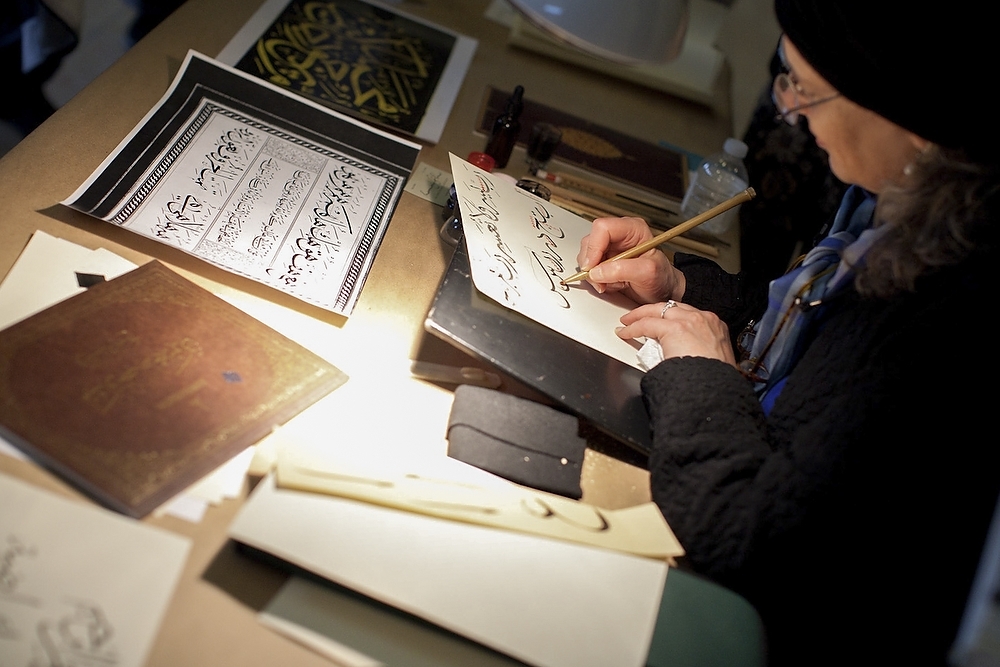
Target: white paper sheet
{"type": "Point", "coordinates": [546, 602]}
{"type": "Point", "coordinates": [46, 271]}
{"type": "Point", "coordinates": [521, 247]}
{"type": "Point", "coordinates": [80, 585]}
{"type": "Point", "coordinates": [429, 183]}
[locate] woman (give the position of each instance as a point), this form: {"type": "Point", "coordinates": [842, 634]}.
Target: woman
{"type": "Point", "coordinates": [843, 475]}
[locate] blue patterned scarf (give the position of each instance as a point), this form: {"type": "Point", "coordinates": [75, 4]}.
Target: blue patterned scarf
{"type": "Point", "coordinates": [794, 299]}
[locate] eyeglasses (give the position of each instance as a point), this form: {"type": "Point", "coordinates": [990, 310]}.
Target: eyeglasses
{"type": "Point", "coordinates": [752, 368]}
{"type": "Point", "coordinates": [785, 93]}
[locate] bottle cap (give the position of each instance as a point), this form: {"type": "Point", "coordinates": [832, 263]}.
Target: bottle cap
{"type": "Point", "coordinates": [735, 147]}
{"type": "Point", "coordinates": [482, 160]}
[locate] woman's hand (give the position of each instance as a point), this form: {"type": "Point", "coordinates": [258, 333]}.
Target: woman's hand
{"type": "Point", "coordinates": [681, 330]}
{"type": "Point", "coordinates": [645, 279]}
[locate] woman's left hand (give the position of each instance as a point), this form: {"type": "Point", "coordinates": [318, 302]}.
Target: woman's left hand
{"type": "Point", "coordinates": [681, 330]}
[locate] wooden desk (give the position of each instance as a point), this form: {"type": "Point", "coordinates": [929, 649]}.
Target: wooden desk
{"type": "Point", "coordinates": [211, 620]}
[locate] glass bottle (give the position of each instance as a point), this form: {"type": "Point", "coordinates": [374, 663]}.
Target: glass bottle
{"type": "Point", "coordinates": [505, 129]}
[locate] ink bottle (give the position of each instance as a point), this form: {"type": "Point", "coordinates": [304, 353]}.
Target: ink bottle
{"type": "Point", "coordinates": [505, 129]}
{"type": "Point", "coordinates": [542, 143]}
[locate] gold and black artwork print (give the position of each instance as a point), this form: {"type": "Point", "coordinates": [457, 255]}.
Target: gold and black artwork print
{"type": "Point", "coordinates": [353, 57]}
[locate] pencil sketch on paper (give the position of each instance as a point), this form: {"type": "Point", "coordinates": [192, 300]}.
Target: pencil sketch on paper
{"type": "Point", "coordinates": [521, 247]}
{"type": "Point", "coordinates": [79, 634]}
{"type": "Point", "coordinates": [64, 631]}
{"type": "Point", "coordinates": [257, 182]}
{"type": "Point", "coordinates": [13, 553]}
{"type": "Point", "coordinates": [80, 586]}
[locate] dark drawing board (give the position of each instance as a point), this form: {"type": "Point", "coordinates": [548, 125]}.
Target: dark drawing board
{"type": "Point", "coordinates": [596, 388]}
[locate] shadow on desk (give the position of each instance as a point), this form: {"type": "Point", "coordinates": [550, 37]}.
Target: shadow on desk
{"type": "Point", "coordinates": [393, 637]}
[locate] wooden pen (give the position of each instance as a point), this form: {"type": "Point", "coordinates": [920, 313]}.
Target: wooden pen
{"type": "Point", "coordinates": [612, 209]}
{"type": "Point", "coordinates": [680, 241]}
{"type": "Point", "coordinates": [744, 196]}
{"type": "Point", "coordinates": [594, 188]}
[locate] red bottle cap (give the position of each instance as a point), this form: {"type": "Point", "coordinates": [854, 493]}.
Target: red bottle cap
{"type": "Point", "coordinates": [482, 160]}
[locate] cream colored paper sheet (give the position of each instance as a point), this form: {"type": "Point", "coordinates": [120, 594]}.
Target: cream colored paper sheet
{"type": "Point", "coordinates": [80, 585]}
{"type": "Point", "coordinates": [546, 602]}
{"type": "Point", "coordinates": [521, 246]}
{"type": "Point", "coordinates": [450, 489]}
{"type": "Point", "coordinates": [46, 273]}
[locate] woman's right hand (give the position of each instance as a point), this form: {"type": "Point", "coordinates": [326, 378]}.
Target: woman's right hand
{"type": "Point", "coordinates": [649, 278]}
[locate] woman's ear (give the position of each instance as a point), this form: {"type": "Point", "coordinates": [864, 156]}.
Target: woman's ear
{"type": "Point", "coordinates": [919, 143]}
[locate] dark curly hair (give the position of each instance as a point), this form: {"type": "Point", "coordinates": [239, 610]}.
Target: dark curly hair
{"type": "Point", "coordinates": [946, 213]}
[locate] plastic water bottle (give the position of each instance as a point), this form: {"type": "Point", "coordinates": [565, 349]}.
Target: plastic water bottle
{"type": "Point", "coordinates": [719, 177]}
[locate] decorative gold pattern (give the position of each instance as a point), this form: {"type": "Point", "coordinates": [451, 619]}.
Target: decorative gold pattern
{"type": "Point", "coordinates": [354, 57]}
{"type": "Point", "coordinates": [591, 144]}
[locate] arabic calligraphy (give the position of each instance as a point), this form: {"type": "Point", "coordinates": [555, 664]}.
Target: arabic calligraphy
{"type": "Point", "coordinates": [480, 204]}
{"type": "Point", "coordinates": [548, 263]}
{"type": "Point", "coordinates": [520, 249]}
{"type": "Point", "coordinates": [257, 181]}
{"type": "Point", "coordinates": [354, 57]}
{"type": "Point", "coordinates": [253, 199]}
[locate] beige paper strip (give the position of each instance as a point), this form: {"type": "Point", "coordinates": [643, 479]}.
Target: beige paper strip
{"type": "Point", "coordinates": [438, 491]}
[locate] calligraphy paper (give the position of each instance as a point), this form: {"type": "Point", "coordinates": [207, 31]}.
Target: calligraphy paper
{"type": "Point", "coordinates": [521, 247]}
{"type": "Point", "coordinates": [364, 59]}
{"type": "Point", "coordinates": [257, 181]}
{"type": "Point", "coordinates": [549, 603]}
{"type": "Point", "coordinates": [80, 585]}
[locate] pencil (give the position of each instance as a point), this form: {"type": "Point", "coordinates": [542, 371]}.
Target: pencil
{"type": "Point", "coordinates": [744, 196]}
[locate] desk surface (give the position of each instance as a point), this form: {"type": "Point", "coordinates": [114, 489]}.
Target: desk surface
{"type": "Point", "coordinates": [211, 620]}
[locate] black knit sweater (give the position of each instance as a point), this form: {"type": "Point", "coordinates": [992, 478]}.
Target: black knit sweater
{"type": "Point", "coordinates": [854, 515]}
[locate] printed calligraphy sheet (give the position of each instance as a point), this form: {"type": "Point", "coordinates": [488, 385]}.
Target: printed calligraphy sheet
{"type": "Point", "coordinates": [80, 585]}
{"type": "Point", "coordinates": [257, 181]}
{"type": "Point", "coordinates": [521, 247]}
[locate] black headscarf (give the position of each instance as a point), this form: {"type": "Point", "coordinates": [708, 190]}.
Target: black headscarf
{"type": "Point", "coordinates": [926, 68]}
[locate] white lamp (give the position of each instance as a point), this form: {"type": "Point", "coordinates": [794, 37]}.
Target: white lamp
{"type": "Point", "coordinates": [668, 45]}
{"type": "Point", "coordinates": [624, 31]}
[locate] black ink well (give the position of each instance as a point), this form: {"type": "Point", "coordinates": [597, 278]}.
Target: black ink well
{"type": "Point", "coordinates": [505, 129]}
